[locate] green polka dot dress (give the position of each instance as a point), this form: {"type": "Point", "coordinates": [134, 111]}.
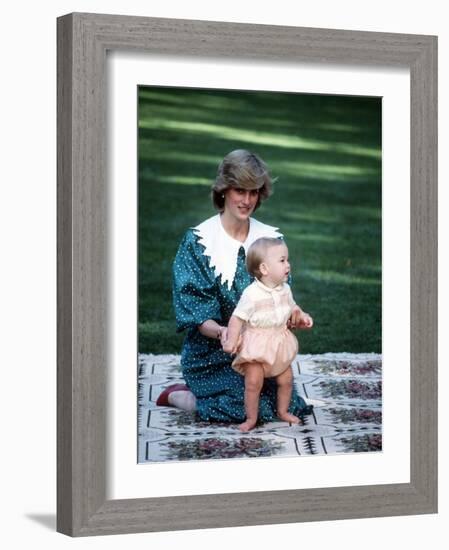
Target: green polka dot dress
{"type": "Point", "coordinates": [198, 295]}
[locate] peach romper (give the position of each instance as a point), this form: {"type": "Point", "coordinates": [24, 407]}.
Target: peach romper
{"type": "Point", "coordinates": [265, 336]}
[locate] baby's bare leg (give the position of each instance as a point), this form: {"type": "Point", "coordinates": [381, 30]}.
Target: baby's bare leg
{"type": "Point", "coordinates": [284, 394]}
{"type": "Point", "coordinates": [254, 376]}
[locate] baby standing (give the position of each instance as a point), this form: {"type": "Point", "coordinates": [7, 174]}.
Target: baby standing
{"type": "Point", "coordinates": [258, 332]}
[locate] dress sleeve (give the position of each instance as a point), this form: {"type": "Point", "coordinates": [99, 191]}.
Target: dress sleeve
{"type": "Point", "coordinates": [245, 306]}
{"type": "Point", "coordinates": [195, 293]}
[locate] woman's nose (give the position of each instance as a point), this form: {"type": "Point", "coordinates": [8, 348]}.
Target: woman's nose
{"type": "Point", "coordinates": [247, 196]}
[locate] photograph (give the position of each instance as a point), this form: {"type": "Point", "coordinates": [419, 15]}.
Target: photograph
{"type": "Point", "coordinates": [280, 239]}
{"type": "Point", "coordinates": [223, 232]}
{"type": "Point", "coordinates": [259, 274]}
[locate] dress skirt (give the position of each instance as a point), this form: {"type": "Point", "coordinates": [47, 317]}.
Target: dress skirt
{"type": "Point", "coordinates": [274, 348]}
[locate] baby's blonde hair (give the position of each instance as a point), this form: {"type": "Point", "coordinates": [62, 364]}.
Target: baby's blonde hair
{"type": "Point", "coordinates": [257, 253]}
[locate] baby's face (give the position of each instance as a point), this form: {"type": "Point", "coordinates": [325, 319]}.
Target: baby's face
{"type": "Point", "coordinates": [277, 264]}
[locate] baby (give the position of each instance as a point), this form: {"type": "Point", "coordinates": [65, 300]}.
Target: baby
{"type": "Point", "coordinates": [258, 333]}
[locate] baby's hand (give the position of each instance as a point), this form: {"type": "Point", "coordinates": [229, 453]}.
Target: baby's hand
{"type": "Point", "coordinates": [228, 347]}
{"type": "Point", "coordinates": [305, 321]}
{"type": "Point", "coordinates": [299, 319]}
{"type": "Point", "coordinates": [223, 335]}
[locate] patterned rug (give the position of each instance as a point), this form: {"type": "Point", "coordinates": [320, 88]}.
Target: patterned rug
{"type": "Point", "coordinates": [345, 389]}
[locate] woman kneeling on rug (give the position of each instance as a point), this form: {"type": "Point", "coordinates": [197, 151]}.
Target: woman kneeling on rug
{"type": "Point", "coordinates": [209, 276]}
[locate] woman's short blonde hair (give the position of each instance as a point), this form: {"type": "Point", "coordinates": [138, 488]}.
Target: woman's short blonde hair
{"type": "Point", "coordinates": [241, 169]}
{"type": "Point", "coordinates": [257, 253]}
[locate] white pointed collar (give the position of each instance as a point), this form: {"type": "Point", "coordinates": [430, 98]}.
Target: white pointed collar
{"type": "Point", "coordinates": [269, 289]}
{"type": "Point", "coordinates": [223, 249]}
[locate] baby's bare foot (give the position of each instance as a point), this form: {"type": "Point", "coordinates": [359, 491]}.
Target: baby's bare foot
{"type": "Point", "coordinates": [247, 425]}
{"type": "Point", "coordinates": [287, 417]}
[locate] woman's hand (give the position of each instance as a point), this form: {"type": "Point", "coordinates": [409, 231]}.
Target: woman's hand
{"type": "Point", "coordinates": [211, 329]}
{"type": "Point", "coordinates": [300, 319]}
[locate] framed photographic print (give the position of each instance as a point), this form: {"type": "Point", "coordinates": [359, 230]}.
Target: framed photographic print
{"type": "Point", "coordinates": [125, 199]}
{"type": "Point", "coordinates": [325, 151]}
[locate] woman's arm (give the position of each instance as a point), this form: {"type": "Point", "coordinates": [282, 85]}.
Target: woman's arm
{"type": "Point", "coordinates": [195, 297]}
{"type": "Point", "coordinates": [211, 329]}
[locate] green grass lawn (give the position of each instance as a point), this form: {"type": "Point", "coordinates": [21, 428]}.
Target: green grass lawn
{"type": "Point", "coordinates": [325, 152]}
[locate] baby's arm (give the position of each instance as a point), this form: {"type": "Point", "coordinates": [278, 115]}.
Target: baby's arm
{"type": "Point", "coordinates": [241, 314]}
{"type": "Point", "coordinates": [234, 328]}
{"type": "Point", "coordinates": [305, 320]}
{"type": "Point", "coordinates": [298, 317]}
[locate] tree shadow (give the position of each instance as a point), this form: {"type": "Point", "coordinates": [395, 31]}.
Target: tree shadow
{"type": "Point", "coordinates": [325, 152]}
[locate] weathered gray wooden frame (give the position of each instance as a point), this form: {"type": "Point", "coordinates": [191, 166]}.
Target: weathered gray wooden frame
{"type": "Point", "coordinates": [83, 40]}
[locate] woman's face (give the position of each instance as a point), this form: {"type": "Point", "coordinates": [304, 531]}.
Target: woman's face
{"type": "Point", "coordinates": [240, 203]}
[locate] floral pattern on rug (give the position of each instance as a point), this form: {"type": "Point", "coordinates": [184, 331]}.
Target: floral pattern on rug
{"type": "Point", "coordinates": [351, 389]}
{"type": "Point", "coordinates": [362, 443]}
{"type": "Point", "coordinates": [218, 447]}
{"type": "Point", "coordinates": [345, 389]}
{"type": "Point", "coordinates": [349, 368]}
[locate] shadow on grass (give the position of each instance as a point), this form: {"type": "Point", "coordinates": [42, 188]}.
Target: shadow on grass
{"type": "Point", "coordinates": [325, 152]}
